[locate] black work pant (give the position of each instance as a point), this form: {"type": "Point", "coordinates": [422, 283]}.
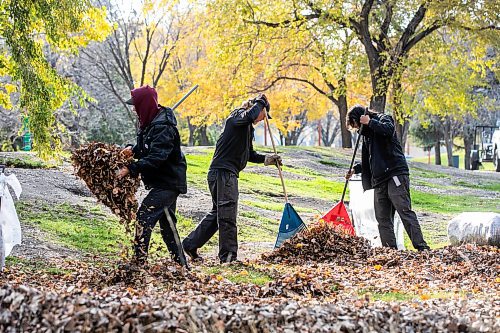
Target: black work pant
{"type": "Point", "coordinates": [223, 186]}
{"type": "Point", "coordinates": [391, 196]}
{"type": "Point", "coordinates": [152, 210]}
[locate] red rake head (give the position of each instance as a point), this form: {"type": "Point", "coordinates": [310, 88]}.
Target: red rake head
{"type": "Point", "coordinates": [338, 217]}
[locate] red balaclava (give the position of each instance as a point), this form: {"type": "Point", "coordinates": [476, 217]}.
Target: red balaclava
{"type": "Point", "coordinates": [146, 104]}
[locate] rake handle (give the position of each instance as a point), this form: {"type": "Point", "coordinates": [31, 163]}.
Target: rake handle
{"type": "Point", "coordinates": [279, 166]}
{"type": "Point", "coordinates": [352, 163]}
{"type": "Point", "coordinates": [184, 97]}
{"type": "Point", "coordinates": [353, 156]}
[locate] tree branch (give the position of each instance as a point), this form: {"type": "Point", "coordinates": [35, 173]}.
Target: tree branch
{"type": "Point", "coordinates": [365, 10]}
{"type": "Point", "coordinates": [419, 36]}
{"type": "Point", "coordinates": [410, 29]}
{"type": "Point", "coordinates": [383, 38]}
{"type": "Point", "coordinates": [488, 27]}
{"type": "Point", "coordinates": [285, 23]}
{"type": "Point", "coordinates": [284, 78]}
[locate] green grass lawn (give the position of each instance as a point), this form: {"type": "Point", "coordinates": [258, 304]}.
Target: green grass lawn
{"type": "Point", "coordinates": [316, 186]}
{"type": "Point", "coordinates": [84, 228]}
{"type": "Point", "coordinates": [488, 166]}
{"type": "Point", "coordinates": [447, 204]}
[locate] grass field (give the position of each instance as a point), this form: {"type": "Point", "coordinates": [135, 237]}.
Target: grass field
{"type": "Point", "coordinates": [487, 166]}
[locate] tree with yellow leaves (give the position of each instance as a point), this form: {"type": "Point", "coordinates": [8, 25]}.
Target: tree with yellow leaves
{"type": "Point", "coordinates": [27, 30]}
{"type": "Point", "coordinates": [387, 32]}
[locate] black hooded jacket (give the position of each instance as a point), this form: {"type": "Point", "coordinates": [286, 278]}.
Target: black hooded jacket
{"type": "Point", "coordinates": [234, 147]}
{"type": "Point", "coordinates": [160, 160]}
{"type": "Point", "coordinates": [381, 156]}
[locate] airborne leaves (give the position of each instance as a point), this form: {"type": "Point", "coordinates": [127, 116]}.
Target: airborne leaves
{"type": "Point", "coordinates": [97, 165]}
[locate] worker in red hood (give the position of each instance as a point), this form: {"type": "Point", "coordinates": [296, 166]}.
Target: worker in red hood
{"type": "Point", "coordinates": [162, 166]}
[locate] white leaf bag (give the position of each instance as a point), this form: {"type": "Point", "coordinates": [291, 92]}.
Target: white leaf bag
{"type": "Point", "coordinates": [365, 223]}
{"type": "Point", "coordinates": [10, 228]}
{"type": "Point", "coordinates": [481, 228]}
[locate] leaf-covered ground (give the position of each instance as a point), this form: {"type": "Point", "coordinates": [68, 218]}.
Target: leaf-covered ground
{"type": "Point", "coordinates": [450, 289]}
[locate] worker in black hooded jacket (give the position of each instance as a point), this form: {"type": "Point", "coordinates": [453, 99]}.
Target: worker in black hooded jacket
{"type": "Point", "coordinates": [232, 152]}
{"type": "Point", "coordinates": [383, 167]}
{"type": "Point", "coordinates": [162, 166]}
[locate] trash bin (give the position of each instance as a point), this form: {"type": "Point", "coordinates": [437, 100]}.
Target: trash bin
{"type": "Point", "coordinates": [27, 141]}
{"type": "Point", "coordinates": [455, 161]}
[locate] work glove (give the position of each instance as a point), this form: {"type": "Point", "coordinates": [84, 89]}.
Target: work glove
{"type": "Point", "coordinates": [263, 100]}
{"type": "Point", "coordinates": [272, 159]}
{"type": "Point", "coordinates": [355, 170]}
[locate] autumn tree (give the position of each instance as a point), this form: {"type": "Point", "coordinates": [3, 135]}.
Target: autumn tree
{"type": "Point", "coordinates": [427, 133]}
{"type": "Point", "coordinates": [317, 54]}
{"type": "Point", "coordinates": [27, 29]}
{"type": "Point", "coordinates": [192, 64]}
{"type": "Point", "coordinates": [138, 50]}
{"type": "Point", "coordinates": [388, 30]}
{"type": "Point", "coordinates": [447, 81]}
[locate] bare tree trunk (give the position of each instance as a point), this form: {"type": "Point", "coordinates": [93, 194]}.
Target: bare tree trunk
{"type": "Point", "coordinates": [402, 132]}
{"type": "Point", "coordinates": [448, 139]}
{"type": "Point", "coordinates": [449, 151]}
{"type": "Point", "coordinates": [468, 142]}
{"type": "Point", "coordinates": [329, 131]}
{"type": "Point", "coordinates": [346, 134]}
{"type": "Point", "coordinates": [202, 132]}
{"type": "Point", "coordinates": [437, 151]}
{"type": "Point", "coordinates": [377, 103]}
{"type": "Point", "coordinates": [401, 120]}
{"type": "Point", "coordinates": [192, 129]}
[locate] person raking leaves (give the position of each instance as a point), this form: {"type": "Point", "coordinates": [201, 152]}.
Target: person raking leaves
{"type": "Point", "coordinates": [162, 166]}
{"type": "Point", "coordinates": [232, 152]}
{"type": "Point", "coordinates": [383, 167]}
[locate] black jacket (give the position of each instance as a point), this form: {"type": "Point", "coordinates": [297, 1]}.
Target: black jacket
{"type": "Point", "coordinates": [381, 156]}
{"type": "Point", "coordinates": [234, 147]}
{"type": "Point", "coordinates": [160, 160]}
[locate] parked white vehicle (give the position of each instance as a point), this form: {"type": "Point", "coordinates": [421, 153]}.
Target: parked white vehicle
{"type": "Point", "coordinates": [486, 146]}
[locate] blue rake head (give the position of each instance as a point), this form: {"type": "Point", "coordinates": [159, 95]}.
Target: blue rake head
{"type": "Point", "coordinates": [291, 223]}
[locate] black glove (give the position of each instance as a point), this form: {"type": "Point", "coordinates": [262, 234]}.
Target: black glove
{"type": "Point", "coordinates": [357, 168]}
{"type": "Point", "coordinates": [263, 100]}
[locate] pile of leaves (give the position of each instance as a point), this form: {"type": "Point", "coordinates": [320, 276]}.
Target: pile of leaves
{"type": "Point", "coordinates": [97, 165]}
{"type": "Point", "coordinates": [27, 309]}
{"type": "Point", "coordinates": [321, 242]}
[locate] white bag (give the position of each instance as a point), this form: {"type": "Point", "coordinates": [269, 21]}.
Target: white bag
{"type": "Point", "coordinates": [365, 223]}
{"type": "Point", "coordinates": [10, 228]}
{"type": "Point", "coordinates": [475, 227]}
